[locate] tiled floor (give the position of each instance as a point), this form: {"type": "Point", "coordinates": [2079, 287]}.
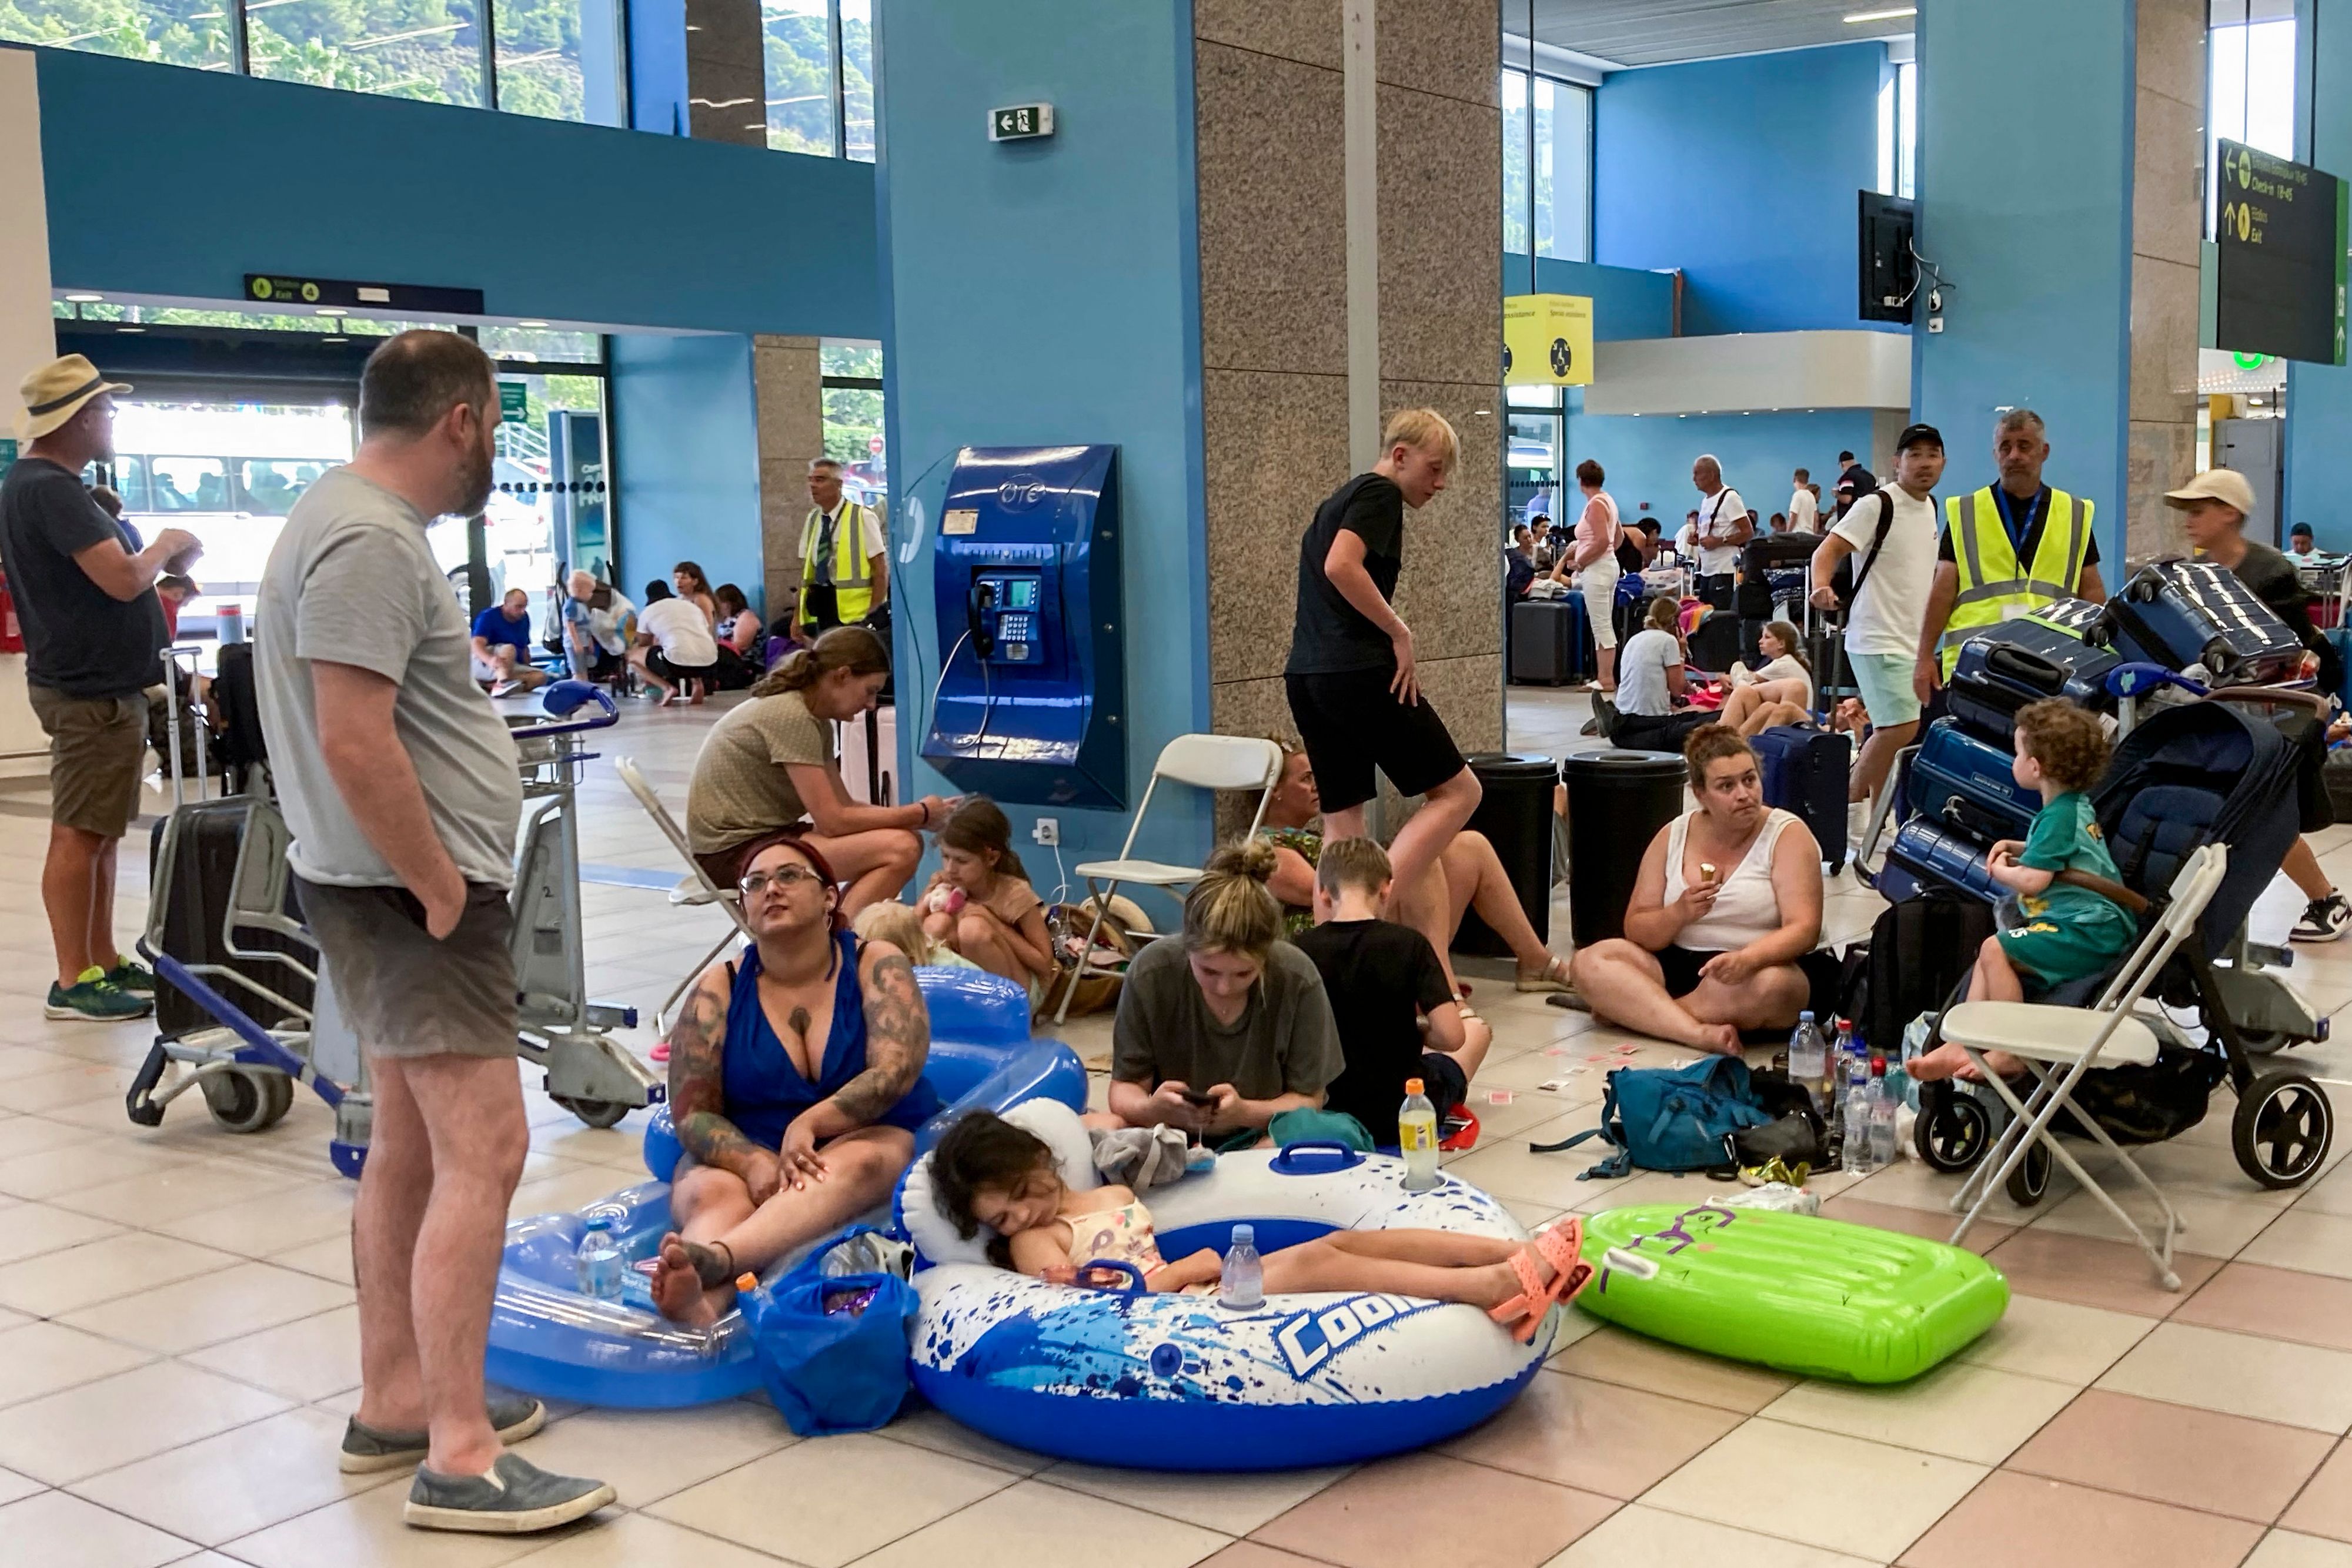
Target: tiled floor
{"type": "Point", "coordinates": [178, 1349]}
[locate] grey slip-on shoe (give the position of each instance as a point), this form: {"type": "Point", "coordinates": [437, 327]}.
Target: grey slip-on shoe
{"type": "Point", "coordinates": [516, 1498]}
{"type": "Point", "coordinates": [513, 1416]}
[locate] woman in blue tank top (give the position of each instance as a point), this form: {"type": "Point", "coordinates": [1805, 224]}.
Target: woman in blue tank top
{"type": "Point", "coordinates": [795, 1083]}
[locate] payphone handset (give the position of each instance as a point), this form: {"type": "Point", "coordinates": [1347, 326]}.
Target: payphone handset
{"type": "Point", "coordinates": [1003, 614]}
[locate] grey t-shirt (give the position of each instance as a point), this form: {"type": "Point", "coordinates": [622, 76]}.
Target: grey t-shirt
{"type": "Point", "coordinates": [1283, 1043]}
{"type": "Point", "coordinates": [352, 582]}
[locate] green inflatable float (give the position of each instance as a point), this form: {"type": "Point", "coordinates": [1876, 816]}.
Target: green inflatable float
{"type": "Point", "coordinates": [1800, 1295]}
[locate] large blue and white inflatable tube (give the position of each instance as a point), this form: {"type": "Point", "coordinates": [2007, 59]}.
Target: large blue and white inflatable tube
{"type": "Point", "coordinates": [1178, 1382]}
{"type": "Point", "coordinates": [548, 1339]}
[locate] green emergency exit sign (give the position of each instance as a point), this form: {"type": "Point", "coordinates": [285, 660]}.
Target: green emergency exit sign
{"type": "Point", "coordinates": [1021, 123]}
{"type": "Point", "coordinates": [514, 400]}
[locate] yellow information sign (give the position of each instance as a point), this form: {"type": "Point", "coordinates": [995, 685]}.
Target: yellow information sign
{"type": "Point", "coordinates": [1546, 341]}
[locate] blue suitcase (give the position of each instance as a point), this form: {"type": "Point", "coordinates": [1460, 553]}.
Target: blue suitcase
{"type": "Point", "coordinates": [2026, 660]}
{"type": "Point", "coordinates": [1961, 783]}
{"type": "Point", "coordinates": [1925, 854]}
{"type": "Point", "coordinates": [2182, 613]}
{"type": "Point", "coordinates": [1805, 773]}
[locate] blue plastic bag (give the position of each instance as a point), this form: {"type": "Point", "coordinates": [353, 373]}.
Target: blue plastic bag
{"type": "Point", "coordinates": [832, 1371]}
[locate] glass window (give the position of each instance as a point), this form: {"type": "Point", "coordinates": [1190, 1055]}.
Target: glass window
{"type": "Point", "coordinates": [539, 58]}
{"type": "Point", "coordinates": [542, 343]}
{"type": "Point", "coordinates": [853, 417]}
{"type": "Point", "coordinates": [189, 483]}
{"type": "Point", "coordinates": [2252, 94]}
{"type": "Point", "coordinates": [1560, 202]}
{"type": "Point", "coordinates": [1898, 131]}
{"type": "Point", "coordinates": [426, 50]}
{"type": "Point", "coordinates": [857, 78]}
{"type": "Point", "coordinates": [267, 486]}
{"type": "Point", "coordinates": [798, 44]}
{"type": "Point", "coordinates": [129, 477]}
{"type": "Point", "coordinates": [174, 32]}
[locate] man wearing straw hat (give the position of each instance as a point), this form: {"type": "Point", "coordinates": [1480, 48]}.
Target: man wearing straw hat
{"type": "Point", "coordinates": [85, 596]}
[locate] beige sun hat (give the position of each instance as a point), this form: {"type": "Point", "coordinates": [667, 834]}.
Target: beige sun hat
{"type": "Point", "coordinates": [56, 392]}
{"type": "Point", "coordinates": [2226, 485]}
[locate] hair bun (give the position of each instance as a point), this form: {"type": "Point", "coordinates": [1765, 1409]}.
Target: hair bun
{"type": "Point", "coordinates": [1253, 858]}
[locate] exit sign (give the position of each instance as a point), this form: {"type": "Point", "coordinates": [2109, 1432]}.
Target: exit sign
{"type": "Point", "coordinates": [514, 400]}
{"type": "Point", "coordinates": [1021, 123]}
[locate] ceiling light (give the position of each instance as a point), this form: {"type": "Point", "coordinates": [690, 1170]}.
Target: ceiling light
{"type": "Point", "coordinates": [84, 298]}
{"type": "Point", "coordinates": [337, 338]}
{"type": "Point", "coordinates": [531, 323]}
{"type": "Point", "coordinates": [142, 330]}
{"type": "Point", "coordinates": [1892, 13]}
{"type": "Point", "coordinates": [329, 310]}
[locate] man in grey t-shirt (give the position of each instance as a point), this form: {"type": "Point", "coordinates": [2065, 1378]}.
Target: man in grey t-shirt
{"type": "Point", "coordinates": [400, 783]}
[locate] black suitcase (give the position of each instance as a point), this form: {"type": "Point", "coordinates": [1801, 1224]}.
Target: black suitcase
{"type": "Point", "coordinates": [1548, 640]}
{"type": "Point", "coordinates": [1832, 671]}
{"type": "Point", "coordinates": [2008, 665]}
{"type": "Point", "coordinates": [1715, 642]}
{"type": "Point", "coordinates": [2182, 613]}
{"type": "Point", "coordinates": [203, 872]}
{"type": "Point", "coordinates": [1805, 771]}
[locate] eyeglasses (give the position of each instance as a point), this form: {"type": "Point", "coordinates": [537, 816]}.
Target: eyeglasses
{"type": "Point", "coordinates": [788, 879]}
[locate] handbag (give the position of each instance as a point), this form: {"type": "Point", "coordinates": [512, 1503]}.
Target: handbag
{"type": "Point", "coordinates": [1671, 1118]}
{"type": "Point", "coordinates": [831, 1346]}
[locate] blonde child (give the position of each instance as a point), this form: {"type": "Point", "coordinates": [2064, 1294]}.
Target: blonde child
{"type": "Point", "coordinates": [979, 902]}
{"type": "Point", "coordinates": [902, 928]}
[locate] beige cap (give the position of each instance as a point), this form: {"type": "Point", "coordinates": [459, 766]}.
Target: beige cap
{"type": "Point", "coordinates": [56, 392]}
{"type": "Point", "coordinates": [2226, 485]}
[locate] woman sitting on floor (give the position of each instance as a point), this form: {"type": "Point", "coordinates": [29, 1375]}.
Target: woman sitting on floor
{"type": "Point", "coordinates": [796, 1085]}
{"type": "Point", "coordinates": [1728, 899]}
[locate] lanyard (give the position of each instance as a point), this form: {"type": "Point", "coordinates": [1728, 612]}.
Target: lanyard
{"type": "Point", "coordinates": [2018, 524]}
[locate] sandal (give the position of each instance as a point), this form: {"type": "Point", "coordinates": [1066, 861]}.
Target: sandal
{"type": "Point", "coordinates": [1552, 976]}
{"type": "Point", "coordinates": [1524, 1312]}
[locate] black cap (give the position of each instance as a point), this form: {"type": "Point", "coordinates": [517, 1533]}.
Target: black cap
{"type": "Point", "coordinates": [1913, 435]}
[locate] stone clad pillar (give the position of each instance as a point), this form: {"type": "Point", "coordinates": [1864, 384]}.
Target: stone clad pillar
{"type": "Point", "coordinates": [785, 383]}
{"type": "Point", "coordinates": [2167, 222]}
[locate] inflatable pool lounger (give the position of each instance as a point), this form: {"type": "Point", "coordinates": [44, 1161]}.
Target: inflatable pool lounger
{"type": "Point", "coordinates": [1822, 1297]}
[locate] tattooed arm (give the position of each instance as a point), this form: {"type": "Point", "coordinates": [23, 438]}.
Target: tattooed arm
{"type": "Point", "coordinates": [898, 1043]}
{"type": "Point", "coordinates": [696, 1058]}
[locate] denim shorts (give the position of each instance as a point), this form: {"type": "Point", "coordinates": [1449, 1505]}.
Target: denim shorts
{"type": "Point", "coordinates": [1885, 680]}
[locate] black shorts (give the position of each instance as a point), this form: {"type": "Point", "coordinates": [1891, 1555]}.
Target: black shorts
{"type": "Point", "coordinates": [2309, 738]}
{"type": "Point", "coordinates": [1351, 723]}
{"type": "Point", "coordinates": [1442, 1079]}
{"type": "Point", "coordinates": [658, 663]}
{"type": "Point", "coordinates": [1682, 966]}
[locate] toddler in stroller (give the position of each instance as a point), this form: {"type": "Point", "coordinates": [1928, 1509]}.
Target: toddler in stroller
{"type": "Point", "coordinates": [2204, 772]}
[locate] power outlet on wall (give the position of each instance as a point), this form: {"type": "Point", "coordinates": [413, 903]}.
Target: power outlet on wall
{"type": "Point", "coordinates": [1048, 831]}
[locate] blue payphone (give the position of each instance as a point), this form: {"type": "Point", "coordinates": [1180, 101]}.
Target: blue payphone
{"type": "Point", "coordinates": [1025, 582]}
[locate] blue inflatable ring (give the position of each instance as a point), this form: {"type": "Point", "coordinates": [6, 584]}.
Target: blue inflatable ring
{"type": "Point", "coordinates": [548, 1339]}
{"type": "Point", "coordinates": [1177, 1382]}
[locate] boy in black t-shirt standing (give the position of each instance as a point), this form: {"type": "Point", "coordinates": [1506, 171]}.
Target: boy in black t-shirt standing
{"type": "Point", "coordinates": [1398, 1018]}
{"type": "Point", "coordinates": [1355, 693]}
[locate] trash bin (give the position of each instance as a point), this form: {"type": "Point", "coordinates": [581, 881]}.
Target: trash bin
{"type": "Point", "coordinates": [1515, 816]}
{"type": "Point", "coordinates": [1617, 802]}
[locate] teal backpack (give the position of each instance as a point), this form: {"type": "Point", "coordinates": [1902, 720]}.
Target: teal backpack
{"type": "Point", "coordinates": [1671, 1118]}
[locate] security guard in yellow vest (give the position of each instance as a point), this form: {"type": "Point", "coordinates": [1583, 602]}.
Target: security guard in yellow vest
{"type": "Point", "coordinates": [844, 573]}
{"type": "Point", "coordinates": [2008, 550]}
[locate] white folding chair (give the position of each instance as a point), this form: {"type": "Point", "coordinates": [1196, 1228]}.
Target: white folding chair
{"type": "Point", "coordinates": [693, 891]}
{"type": "Point", "coordinates": [1204, 763]}
{"type": "Point", "coordinates": [2061, 1044]}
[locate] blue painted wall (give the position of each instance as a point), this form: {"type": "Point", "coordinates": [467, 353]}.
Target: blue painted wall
{"type": "Point", "coordinates": [1743, 172]}
{"type": "Point", "coordinates": [686, 458]}
{"type": "Point", "coordinates": [174, 181]}
{"type": "Point", "coordinates": [1046, 292]}
{"type": "Point", "coordinates": [2319, 397]}
{"type": "Point", "coordinates": [1648, 457]}
{"type": "Point", "coordinates": [2025, 187]}
{"type": "Point", "coordinates": [1626, 302]}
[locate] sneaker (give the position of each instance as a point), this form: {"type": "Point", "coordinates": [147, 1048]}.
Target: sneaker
{"type": "Point", "coordinates": [515, 1498]}
{"type": "Point", "coordinates": [2323, 920]}
{"type": "Point", "coordinates": [131, 974]}
{"type": "Point", "coordinates": [96, 999]}
{"type": "Point", "coordinates": [514, 1417]}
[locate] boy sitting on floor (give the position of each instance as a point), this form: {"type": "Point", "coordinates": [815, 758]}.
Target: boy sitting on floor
{"type": "Point", "coordinates": [2060, 931]}
{"type": "Point", "coordinates": [1397, 1017]}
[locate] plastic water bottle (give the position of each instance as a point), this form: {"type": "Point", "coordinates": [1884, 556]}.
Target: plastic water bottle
{"type": "Point", "coordinates": [1882, 1104]}
{"type": "Point", "coordinates": [1242, 1286]}
{"type": "Point", "coordinates": [600, 1261]}
{"type": "Point", "coordinates": [1417, 1138]}
{"type": "Point", "coordinates": [1857, 1149]}
{"type": "Point", "coordinates": [1805, 1064]}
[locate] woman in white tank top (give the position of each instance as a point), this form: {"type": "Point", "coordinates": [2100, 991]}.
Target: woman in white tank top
{"type": "Point", "coordinates": [1728, 899]}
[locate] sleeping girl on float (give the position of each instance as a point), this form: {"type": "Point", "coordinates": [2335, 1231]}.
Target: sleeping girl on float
{"type": "Point", "coordinates": [987, 1171]}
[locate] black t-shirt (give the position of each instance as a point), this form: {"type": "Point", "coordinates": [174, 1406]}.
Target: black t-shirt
{"type": "Point", "coordinates": [2274, 579]}
{"type": "Point", "coordinates": [2030, 542]}
{"type": "Point", "coordinates": [1332, 634]}
{"type": "Point", "coordinates": [1861, 478]}
{"type": "Point", "coordinates": [1380, 978]}
{"type": "Point", "coordinates": [78, 639]}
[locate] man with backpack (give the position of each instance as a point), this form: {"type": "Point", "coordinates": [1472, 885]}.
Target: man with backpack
{"type": "Point", "coordinates": [1890, 535]}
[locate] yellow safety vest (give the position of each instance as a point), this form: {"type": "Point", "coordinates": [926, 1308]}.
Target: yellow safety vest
{"type": "Point", "coordinates": [852, 583]}
{"type": "Point", "coordinates": [1994, 585]}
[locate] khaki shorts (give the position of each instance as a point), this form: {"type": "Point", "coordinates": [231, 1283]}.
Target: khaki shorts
{"type": "Point", "coordinates": [405, 994]}
{"type": "Point", "coordinates": [98, 748]}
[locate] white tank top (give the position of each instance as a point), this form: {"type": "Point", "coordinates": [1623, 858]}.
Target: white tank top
{"type": "Point", "coordinates": [1747, 909]}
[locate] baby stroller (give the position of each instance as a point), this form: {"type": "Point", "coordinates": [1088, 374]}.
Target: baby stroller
{"type": "Point", "coordinates": [2204, 772]}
